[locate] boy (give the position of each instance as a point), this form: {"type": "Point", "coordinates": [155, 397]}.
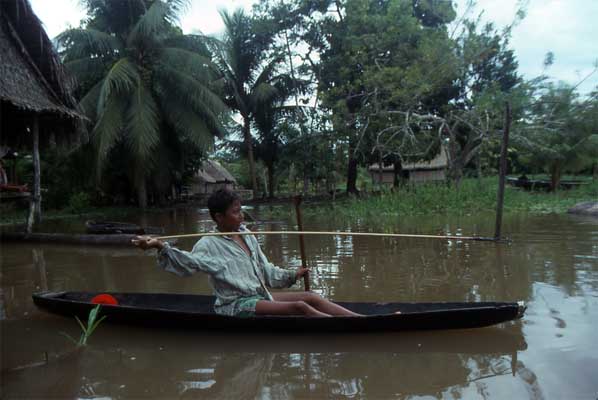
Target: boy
{"type": "Point", "coordinates": [239, 272]}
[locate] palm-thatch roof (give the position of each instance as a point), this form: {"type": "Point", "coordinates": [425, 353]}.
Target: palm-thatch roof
{"type": "Point", "coordinates": [203, 176]}
{"type": "Point", "coordinates": [217, 172]}
{"type": "Point", "coordinates": [32, 77]}
{"type": "Point", "coordinates": [438, 162]}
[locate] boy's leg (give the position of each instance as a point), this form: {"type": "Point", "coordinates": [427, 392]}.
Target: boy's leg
{"type": "Point", "coordinates": [316, 301]}
{"type": "Point", "coordinates": [266, 307]}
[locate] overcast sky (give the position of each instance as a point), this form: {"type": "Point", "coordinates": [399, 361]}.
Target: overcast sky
{"type": "Point", "coordinates": [568, 28]}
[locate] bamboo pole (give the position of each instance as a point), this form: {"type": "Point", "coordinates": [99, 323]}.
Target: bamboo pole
{"type": "Point", "coordinates": [297, 201]}
{"type": "Point", "coordinates": [334, 233]}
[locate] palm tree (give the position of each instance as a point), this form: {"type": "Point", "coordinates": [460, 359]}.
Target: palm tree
{"type": "Point", "coordinates": [250, 77]}
{"type": "Point", "coordinates": [144, 85]}
{"type": "Point", "coordinates": [271, 121]}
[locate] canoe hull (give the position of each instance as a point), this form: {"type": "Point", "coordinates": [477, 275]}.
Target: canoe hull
{"type": "Point", "coordinates": [120, 228]}
{"type": "Point", "coordinates": [195, 311]}
{"type": "Point", "coordinates": [535, 184]}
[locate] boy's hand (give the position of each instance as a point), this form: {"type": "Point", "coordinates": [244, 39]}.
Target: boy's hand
{"type": "Point", "coordinates": [301, 271]}
{"type": "Point", "coordinates": [147, 242]}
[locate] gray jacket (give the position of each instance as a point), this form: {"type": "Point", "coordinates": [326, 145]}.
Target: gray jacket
{"type": "Point", "coordinates": [233, 274]}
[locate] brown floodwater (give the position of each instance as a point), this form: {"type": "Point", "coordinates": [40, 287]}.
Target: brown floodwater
{"type": "Point", "coordinates": [552, 353]}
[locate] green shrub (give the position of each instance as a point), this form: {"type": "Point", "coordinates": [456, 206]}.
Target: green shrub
{"type": "Point", "coordinates": [78, 203]}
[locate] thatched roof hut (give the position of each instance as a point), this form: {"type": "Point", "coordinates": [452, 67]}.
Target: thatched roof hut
{"type": "Point", "coordinates": [35, 98]}
{"type": "Point", "coordinates": [416, 172]}
{"type": "Point", "coordinates": [32, 79]}
{"type": "Point", "coordinates": [218, 172]}
{"type": "Point", "coordinates": [210, 177]}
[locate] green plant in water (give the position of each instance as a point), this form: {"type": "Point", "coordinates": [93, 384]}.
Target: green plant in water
{"type": "Point", "coordinates": [92, 324]}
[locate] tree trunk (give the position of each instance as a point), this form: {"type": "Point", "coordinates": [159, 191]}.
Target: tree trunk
{"type": "Point", "coordinates": [249, 145]}
{"type": "Point", "coordinates": [352, 176]}
{"type": "Point", "coordinates": [458, 175]}
{"type": "Point", "coordinates": [35, 207]}
{"type": "Point", "coordinates": [381, 165]}
{"type": "Point", "coordinates": [352, 172]}
{"type": "Point", "coordinates": [270, 168]}
{"type": "Point", "coordinates": [142, 194]}
{"type": "Point", "coordinates": [305, 181]}
{"type": "Point", "coordinates": [479, 167]}
{"type": "Point", "coordinates": [555, 176]}
{"type": "Point", "coordinates": [397, 174]}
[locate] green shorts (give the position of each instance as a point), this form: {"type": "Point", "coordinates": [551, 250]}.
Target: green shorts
{"type": "Point", "coordinates": [246, 306]}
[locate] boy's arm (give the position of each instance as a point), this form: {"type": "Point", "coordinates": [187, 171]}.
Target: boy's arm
{"type": "Point", "coordinates": [180, 262]}
{"type": "Point", "coordinates": [185, 263]}
{"type": "Point", "coordinates": [276, 278]}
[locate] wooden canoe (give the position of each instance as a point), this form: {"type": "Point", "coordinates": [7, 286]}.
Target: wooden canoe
{"type": "Point", "coordinates": [536, 184]}
{"type": "Point", "coordinates": [196, 311]}
{"type": "Point", "coordinates": [68, 238]}
{"type": "Point", "coordinates": [110, 228]}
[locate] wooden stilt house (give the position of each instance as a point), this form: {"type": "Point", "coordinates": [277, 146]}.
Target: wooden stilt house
{"type": "Point", "coordinates": [434, 170]}
{"type": "Point", "coordinates": [36, 105]}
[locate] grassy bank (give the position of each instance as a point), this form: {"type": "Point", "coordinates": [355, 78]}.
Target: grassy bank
{"type": "Point", "coordinates": [473, 196]}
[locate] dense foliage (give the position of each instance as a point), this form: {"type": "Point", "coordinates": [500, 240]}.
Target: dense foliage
{"type": "Point", "coordinates": [149, 91]}
{"type": "Point", "coordinates": [317, 91]}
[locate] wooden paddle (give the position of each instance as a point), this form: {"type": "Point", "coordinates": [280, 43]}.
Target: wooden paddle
{"type": "Point", "coordinates": [297, 201]}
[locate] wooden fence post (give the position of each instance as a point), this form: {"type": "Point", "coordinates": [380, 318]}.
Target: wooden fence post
{"type": "Point", "coordinates": [502, 172]}
{"type": "Point", "coordinates": [35, 208]}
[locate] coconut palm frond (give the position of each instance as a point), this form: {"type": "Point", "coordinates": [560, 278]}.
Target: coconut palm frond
{"type": "Point", "coordinates": [121, 78]}
{"type": "Point", "coordinates": [143, 124]}
{"type": "Point", "coordinates": [288, 86]}
{"type": "Point", "coordinates": [78, 43]}
{"type": "Point", "coordinates": [218, 51]}
{"type": "Point", "coordinates": [107, 130]}
{"type": "Point", "coordinates": [177, 7]}
{"type": "Point", "coordinates": [173, 103]}
{"type": "Point", "coordinates": [201, 67]}
{"type": "Point", "coordinates": [89, 102]}
{"type": "Point", "coordinates": [195, 43]}
{"type": "Point", "coordinates": [156, 20]}
{"type": "Point", "coordinates": [199, 96]}
{"type": "Point", "coordinates": [268, 71]}
{"type": "Point", "coordinates": [243, 51]}
{"type": "Point", "coordinates": [263, 93]}
{"type": "Point", "coordinates": [190, 125]}
{"type": "Point", "coordinates": [86, 68]}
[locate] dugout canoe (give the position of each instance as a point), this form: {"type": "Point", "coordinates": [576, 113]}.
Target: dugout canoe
{"type": "Point", "coordinates": [115, 228]}
{"type": "Point", "coordinates": [69, 238]}
{"type": "Point", "coordinates": [196, 311]}
{"type": "Point", "coordinates": [538, 184]}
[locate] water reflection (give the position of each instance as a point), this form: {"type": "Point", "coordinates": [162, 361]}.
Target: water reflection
{"type": "Point", "coordinates": [552, 263]}
{"type": "Point", "coordinates": [130, 363]}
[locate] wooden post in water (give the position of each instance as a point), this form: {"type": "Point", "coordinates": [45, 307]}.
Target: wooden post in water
{"type": "Point", "coordinates": [297, 201]}
{"type": "Point", "coordinates": [35, 207]}
{"type": "Point", "coordinates": [502, 172]}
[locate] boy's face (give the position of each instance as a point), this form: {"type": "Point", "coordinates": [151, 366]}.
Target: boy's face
{"type": "Point", "coordinates": [231, 219]}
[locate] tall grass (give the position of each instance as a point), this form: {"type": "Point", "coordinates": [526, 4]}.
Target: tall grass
{"type": "Point", "coordinates": [471, 197]}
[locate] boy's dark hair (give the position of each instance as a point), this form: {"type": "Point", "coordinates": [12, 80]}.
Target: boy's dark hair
{"type": "Point", "coordinates": [221, 200]}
